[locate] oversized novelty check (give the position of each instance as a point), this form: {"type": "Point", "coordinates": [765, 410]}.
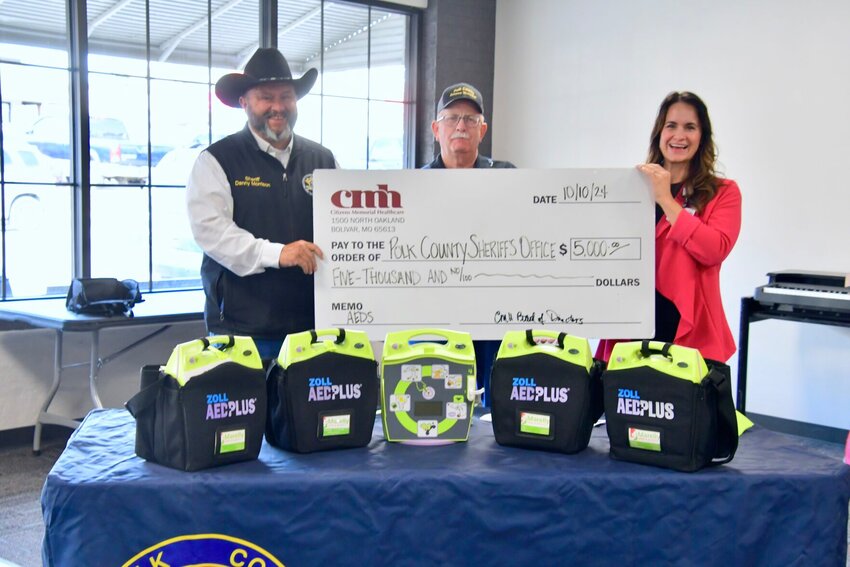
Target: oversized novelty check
{"type": "Point", "coordinates": [486, 251]}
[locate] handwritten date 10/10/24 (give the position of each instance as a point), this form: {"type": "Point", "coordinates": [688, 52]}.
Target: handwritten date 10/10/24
{"type": "Point", "coordinates": [577, 193]}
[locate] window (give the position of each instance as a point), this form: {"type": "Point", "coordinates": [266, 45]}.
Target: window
{"type": "Point", "coordinates": [36, 244]}
{"type": "Point", "coordinates": [151, 110]}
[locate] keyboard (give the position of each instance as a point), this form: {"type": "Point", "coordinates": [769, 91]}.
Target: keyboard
{"type": "Point", "coordinates": [821, 291]}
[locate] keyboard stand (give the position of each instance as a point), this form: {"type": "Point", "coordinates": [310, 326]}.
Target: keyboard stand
{"type": "Point", "coordinates": [753, 310]}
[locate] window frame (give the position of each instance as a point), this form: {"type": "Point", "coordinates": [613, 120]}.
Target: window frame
{"type": "Point", "coordinates": [80, 126]}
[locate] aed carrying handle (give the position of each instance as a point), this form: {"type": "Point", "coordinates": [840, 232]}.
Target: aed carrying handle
{"type": "Point", "coordinates": [452, 337]}
{"type": "Point", "coordinates": [529, 337]}
{"type": "Point", "coordinates": [316, 333]}
{"type": "Point", "coordinates": [227, 340]}
{"type": "Point", "coordinates": [648, 348]}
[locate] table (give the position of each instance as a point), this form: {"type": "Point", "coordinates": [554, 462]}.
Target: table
{"type": "Point", "coordinates": [161, 308]}
{"type": "Point", "coordinates": [753, 310]}
{"type": "Point", "coordinates": [781, 501]}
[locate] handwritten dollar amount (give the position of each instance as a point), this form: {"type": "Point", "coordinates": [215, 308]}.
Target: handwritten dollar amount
{"type": "Point", "coordinates": [602, 248]}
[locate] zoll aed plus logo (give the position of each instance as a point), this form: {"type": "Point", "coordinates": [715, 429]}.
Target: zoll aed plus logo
{"type": "Point", "coordinates": [381, 198]}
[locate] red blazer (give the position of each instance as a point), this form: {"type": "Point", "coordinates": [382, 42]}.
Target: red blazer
{"type": "Point", "coordinates": [688, 256]}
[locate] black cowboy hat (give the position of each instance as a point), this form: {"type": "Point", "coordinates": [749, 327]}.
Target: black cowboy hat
{"type": "Point", "coordinates": [267, 65]}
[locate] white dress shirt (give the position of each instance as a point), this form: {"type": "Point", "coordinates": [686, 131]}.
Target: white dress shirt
{"type": "Point", "coordinates": [210, 207]}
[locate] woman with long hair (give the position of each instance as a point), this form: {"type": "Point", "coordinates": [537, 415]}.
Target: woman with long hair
{"type": "Point", "coordinates": [698, 218]}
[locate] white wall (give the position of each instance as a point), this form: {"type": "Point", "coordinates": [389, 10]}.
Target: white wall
{"type": "Point", "coordinates": [578, 84]}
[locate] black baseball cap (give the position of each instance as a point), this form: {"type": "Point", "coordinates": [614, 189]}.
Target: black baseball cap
{"type": "Point", "coordinates": [461, 91]}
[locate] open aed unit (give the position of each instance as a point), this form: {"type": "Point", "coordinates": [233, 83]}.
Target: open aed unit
{"type": "Point", "coordinates": [428, 385]}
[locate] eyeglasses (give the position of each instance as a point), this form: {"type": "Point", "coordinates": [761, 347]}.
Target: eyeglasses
{"type": "Point", "coordinates": [469, 120]}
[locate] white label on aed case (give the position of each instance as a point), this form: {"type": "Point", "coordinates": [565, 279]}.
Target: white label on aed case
{"type": "Point", "coordinates": [454, 382]}
{"type": "Point", "coordinates": [411, 372]}
{"type": "Point", "coordinates": [455, 410]}
{"type": "Point", "coordinates": [399, 402]}
{"type": "Point", "coordinates": [535, 423]}
{"type": "Point", "coordinates": [336, 425]}
{"type": "Point", "coordinates": [644, 439]}
{"type": "Point", "coordinates": [439, 371]}
{"type": "Point", "coordinates": [231, 441]}
{"type": "Point", "coordinates": [426, 428]}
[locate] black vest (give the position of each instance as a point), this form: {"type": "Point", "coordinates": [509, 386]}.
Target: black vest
{"type": "Point", "coordinates": [482, 162]}
{"type": "Point", "coordinates": [275, 204]}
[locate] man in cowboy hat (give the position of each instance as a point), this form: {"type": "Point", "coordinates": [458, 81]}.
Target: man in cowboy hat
{"type": "Point", "coordinates": [459, 128]}
{"type": "Point", "coordinates": [249, 199]}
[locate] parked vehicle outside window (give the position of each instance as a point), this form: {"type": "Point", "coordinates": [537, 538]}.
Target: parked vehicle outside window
{"type": "Point", "coordinates": [116, 158]}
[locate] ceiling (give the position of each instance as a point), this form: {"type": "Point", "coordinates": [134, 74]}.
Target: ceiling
{"type": "Point", "coordinates": [180, 31]}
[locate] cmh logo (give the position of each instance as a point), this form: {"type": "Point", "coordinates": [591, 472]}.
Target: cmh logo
{"type": "Point", "coordinates": [382, 198]}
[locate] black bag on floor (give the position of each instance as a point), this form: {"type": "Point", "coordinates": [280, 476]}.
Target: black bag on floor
{"type": "Point", "coordinates": [322, 393]}
{"type": "Point", "coordinates": [206, 407]}
{"type": "Point", "coordinates": [546, 391]}
{"type": "Point", "coordinates": [664, 406]}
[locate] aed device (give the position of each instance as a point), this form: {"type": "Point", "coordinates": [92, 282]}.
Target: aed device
{"type": "Point", "coordinates": [665, 406]}
{"type": "Point", "coordinates": [323, 391]}
{"type": "Point", "coordinates": [206, 407]}
{"type": "Point", "coordinates": [546, 391]}
{"type": "Point", "coordinates": [428, 386]}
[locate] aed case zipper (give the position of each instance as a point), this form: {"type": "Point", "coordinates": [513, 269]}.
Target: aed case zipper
{"type": "Point", "coordinates": [183, 428]}
{"type": "Point", "coordinates": [160, 432]}
{"type": "Point", "coordinates": [284, 387]}
{"type": "Point", "coordinates": [699, 394]}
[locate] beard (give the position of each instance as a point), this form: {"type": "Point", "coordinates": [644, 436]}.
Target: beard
{"type": "Point", "coordinates": [273, 136]}
{"type": "Point", "coordinates": [260, 123]}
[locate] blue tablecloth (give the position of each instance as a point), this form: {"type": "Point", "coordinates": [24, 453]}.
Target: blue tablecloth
{"type": "Point", "coordinates": [782, 501]}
